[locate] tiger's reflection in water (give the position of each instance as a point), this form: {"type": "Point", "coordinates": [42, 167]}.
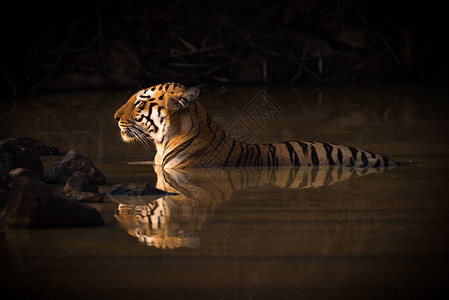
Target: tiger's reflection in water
{"type": "Point", "coordinates": [175, 221]}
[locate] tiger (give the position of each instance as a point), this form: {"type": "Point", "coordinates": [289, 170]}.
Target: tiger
{"type": "Point", "coordinates": [194, 195]}
{"type": "Point", "coordinates": [186, 136]}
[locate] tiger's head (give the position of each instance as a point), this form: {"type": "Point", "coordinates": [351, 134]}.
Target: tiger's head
{"type": "Point", "coordinates": [151, 114]}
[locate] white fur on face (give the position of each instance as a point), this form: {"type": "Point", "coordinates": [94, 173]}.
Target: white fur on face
{"type": "Point", "coordinates": [159, 121]}
{"type": "Point", "coordinates": [145, 95]}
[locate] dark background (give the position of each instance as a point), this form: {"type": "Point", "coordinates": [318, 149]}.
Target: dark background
{"type": "Point", "coordinates": [133, 44]}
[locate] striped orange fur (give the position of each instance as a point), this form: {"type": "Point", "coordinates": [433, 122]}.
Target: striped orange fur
{"type": "Point", "coordinates": [185, 136]}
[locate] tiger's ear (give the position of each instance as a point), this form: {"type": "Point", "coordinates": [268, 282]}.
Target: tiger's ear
{"type": "Point", "coordinates": [183, 100]}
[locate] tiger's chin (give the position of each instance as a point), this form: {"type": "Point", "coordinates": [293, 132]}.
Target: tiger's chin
{"type": "Point", "coordinates": [126, 138]}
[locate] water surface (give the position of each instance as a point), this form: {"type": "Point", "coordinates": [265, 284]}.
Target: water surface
{"type": "Point", "coordinates": [249, 234]}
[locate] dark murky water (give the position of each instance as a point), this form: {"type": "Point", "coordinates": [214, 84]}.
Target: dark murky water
{"type": "Point", "coordinates": [325, 233]}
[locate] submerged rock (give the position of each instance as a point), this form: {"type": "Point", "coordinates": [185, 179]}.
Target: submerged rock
{"type": "Point", "coordinates": [85, 196]}
{"type": "Point", "coordinates": [135, 189]}
{"type": "Point", "coordinates": [81, 182]}
{"type": "Point", "coordinates": [23, 152]}
{"type": "Point", "coordinates": [136, 193]}
{"type": "Point", "coordinates": [29, 159]}
{"type": "Point", "coordinates": [80, 187]}
{"type": "Point", "coordinates": [32, 204]}
{"type": "Point", "coordinates": [22, 172]}
{"type": "Point", "coordinates": [4, 195]}
{"type": "Point", "coordinates": [74, 161]}
{"type": "Point", "coordinates": [6, 163]}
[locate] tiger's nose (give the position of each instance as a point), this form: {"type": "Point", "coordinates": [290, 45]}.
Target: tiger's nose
{"type": "Point", "coordinates": [116, 117]}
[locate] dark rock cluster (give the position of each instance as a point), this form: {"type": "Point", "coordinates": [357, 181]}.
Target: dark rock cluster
{"type": "Point", "coordinates": [135, 193]}
{"type": "Point", "coordinates": [80, 176]}
{"type": "Point", "coordinates": [31, 203]}
{"type": "Point", "coordinates": [23, 152]}
{"type": "Point", "coordinates": [135, 189]}
{"type": "Point", "coordinates": [73, 162]}
{"type": "Point", "coordinates": [27, 199]}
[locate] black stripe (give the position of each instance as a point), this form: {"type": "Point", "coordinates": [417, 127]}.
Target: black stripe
{"type": "Point", "coordinates": [293, 155]}
{"type": "Point", "coordinates": [196, 107]}
{"type": "Point", "coordinates": [240, 155]}
{"type": "Point", "coordinates": [204, 150]}
{"type": "Point", "coordinates": [156, 129]}
{"type": "Point", "coordinates": [291, 177]}
{"type": "Point", "coordinates": [329, 150]}
{"type": "Point", "coordinates": [209, 121]}
{"type": "Point", "coordinates": [256, 163]}
{"type": "Point", "coordinates": [140, 118]}
{"type": "Point", "coordinates": [268, 158]}
{"type": "Point", "coordinates": [192, 124]}
{"type": "Point", "coordinates": [246, 154]}
{"type": "Point", "coordinates": [354, 153]}
{"type": "Point", "coordinates": [351, 162]}
{"type": "Point", "coordinates": [329, 177]}
{"type": "Point", "coordinates": [314, 173]}
{"type": "Point", "coordinates": [223, 137]}
{"type": "Point", "coordinates": [180, 148]}
{"type": "Point", "coordinates": [251, 157]}
{"type": "Point", "coordinates": [305, 180]}
{"type": "Point", "coordinates": [304, 147]}
{"type": "Point", "coordinates": [339, 173]}
{"type": "Point", "coordinates": [364, 159]}
{"type": "Point", "coordinates": [377, 164]}
{"type": "Point", "coordinates": [150, 109]}
{"type": "Point", "coordinates": [229, 154]}
{"type": "Point", "coordinates": [273, 155]}
{"type": "Point", "coordinates": [315, 160]}
{"type": "Point", "coordinates": [290, 150]}
{"type": "Point", "coordinates": [340, 156]}
{"type": "Point", "coordinates": [373, 155]}
{"type": "Point", "coordinates": [386, 161]}
{"type": "Point", "coordinates": [230, 181]}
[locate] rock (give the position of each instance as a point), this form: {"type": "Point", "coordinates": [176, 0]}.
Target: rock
{"type": "Point", "coordinates": [4, 195]}
{"type": "Point", "coordinates": [80, 181]}
{"type": "Point", "coordinates": [24, 142]}
{"type": "Point", "coordinates": [6, 163]}
{"type": "Point", "coordinates": [74, 161]}
{"type": "Point", "coordinates": [32, 204]}
{"type": "Point", "coordinates": [22, 152]}
{"type": "Point", "coordinates": [135, 189]}
{"type": "Point", "coordinates": [84, 196]}
{"type": "Point", "coordinates": [135, 193]}
{"type": "Point", "coordinates": [29, 159]}
{"type": "Point", "coordinates": [22, 172]}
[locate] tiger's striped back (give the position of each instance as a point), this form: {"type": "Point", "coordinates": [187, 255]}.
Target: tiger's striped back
{"type": "Point", "coordinates": [186, 136]}
{"type": "Point", "coordinates": [301, 153]}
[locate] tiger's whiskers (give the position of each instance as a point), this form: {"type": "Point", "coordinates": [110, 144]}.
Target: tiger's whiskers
{"type": "Point", "coordinates": [140, 135]}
